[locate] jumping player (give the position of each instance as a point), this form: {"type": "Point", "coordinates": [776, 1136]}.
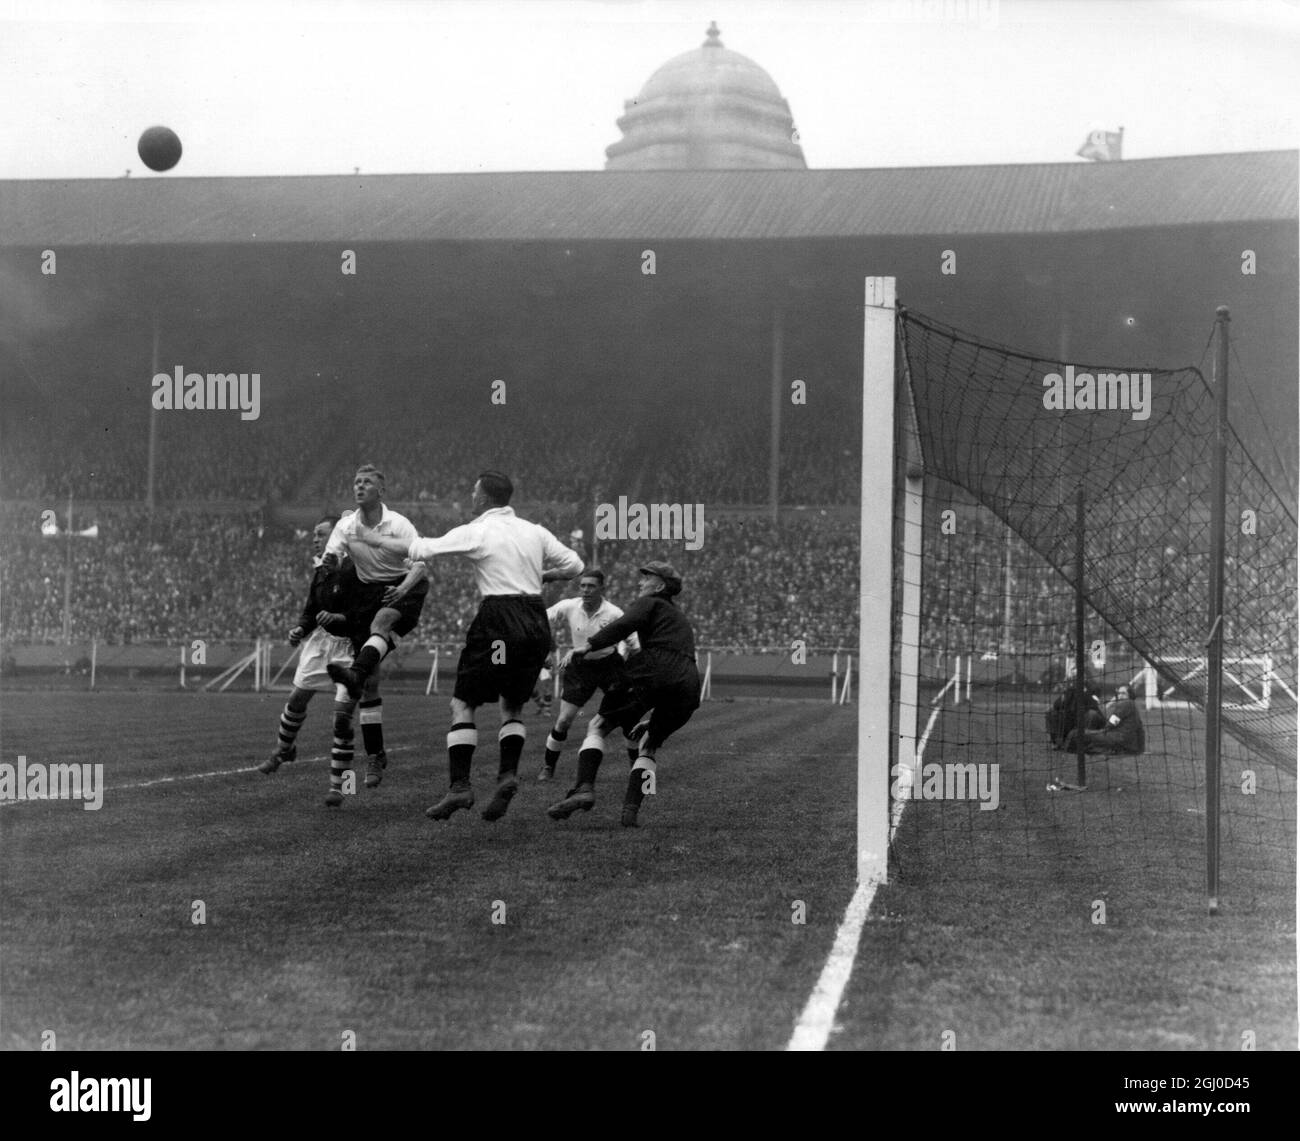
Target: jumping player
{"type": "Point", "coordinates": [662, 690]}
{"type": "Point", "coordinates": [329, 637]}
{"type": "Point", "coordinates": [509, 639]}
{"type": "Point", "coordinates": [587, 614]}
{"type": "Point", "coordinates": [388, 601]}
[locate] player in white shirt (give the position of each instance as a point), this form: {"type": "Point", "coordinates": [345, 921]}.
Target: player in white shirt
{"type": "Point", "coordinates": [600, 669]}
{"type": "Point", "coordinates": [326, 635]}
{"type": "Point", "coordinates": [389, 597]}
{"type": "Point", "coordinates": [509, 640]}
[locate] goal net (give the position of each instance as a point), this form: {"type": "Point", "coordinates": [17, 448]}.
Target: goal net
{"type": "Point", "coordinates": [993, 449]}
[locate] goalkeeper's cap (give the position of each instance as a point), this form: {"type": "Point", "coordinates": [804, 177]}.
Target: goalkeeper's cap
{"type": "Point", "coordinates": [672, 580]}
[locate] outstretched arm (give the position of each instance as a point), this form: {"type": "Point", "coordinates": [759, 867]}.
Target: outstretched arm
{"type": "Point", "coordinates": [633, 621]}
{"type": "Point", "coordinates": [559, 563]}
{"type": "Point", "coordinates": [390, 543]}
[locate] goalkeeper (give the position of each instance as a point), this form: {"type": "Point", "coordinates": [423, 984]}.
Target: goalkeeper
{"type": "Point", "coordinates": [660, 692]}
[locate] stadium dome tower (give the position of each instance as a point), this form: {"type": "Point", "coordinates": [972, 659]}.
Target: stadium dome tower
{"type": "Point", "coordinates": [707, 109]}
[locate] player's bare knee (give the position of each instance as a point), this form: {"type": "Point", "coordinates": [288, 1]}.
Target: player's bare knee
{"type": "Point", "coordinates": [298, 700]}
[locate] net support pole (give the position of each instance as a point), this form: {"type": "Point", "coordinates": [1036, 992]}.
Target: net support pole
{"type": "Point", "coordinates": [910, 620]}
{"type": "Point", "coordinates": [1080, 660]}
{"type": "Point", "coordinates": [1214, 647]}
{"type": "Point", "coordinates": [875, 579]}
{"type": "Point", "coordinates": [285, 665]}
{"type": "Point", "coordinates": [94, 655]}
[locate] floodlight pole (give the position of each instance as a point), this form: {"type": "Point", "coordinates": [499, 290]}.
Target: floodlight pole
{"type": "Point", "coordinates": [875, 594]}
{"type": "Point", "coordinates": [1080, 658]}
{"type": "Point", "coordinates": [778, 398]}
{"type": "Point", "coordinates": [67, 579]}
{"type": "Point", "coordinates": [1214, 644]}
{"type": "Point", "coordinates": [153, 429]}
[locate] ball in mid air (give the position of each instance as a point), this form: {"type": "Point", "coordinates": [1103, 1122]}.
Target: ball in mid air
{"type": "Point", "coordinates": [160, 148]}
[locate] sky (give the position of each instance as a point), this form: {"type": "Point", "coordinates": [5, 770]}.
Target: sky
{"type": "Point", "coordinates": [284, 87]}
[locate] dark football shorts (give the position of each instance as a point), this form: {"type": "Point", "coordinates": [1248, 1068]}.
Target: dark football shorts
{"type": "Point", "coordinates": [581, 679]}
{"type": "Point", "coordinates": [505, 649]}
{"type": "Point", "coordinates": [673, 693]}
{"type": "Point", "coordinates": [368, 600]}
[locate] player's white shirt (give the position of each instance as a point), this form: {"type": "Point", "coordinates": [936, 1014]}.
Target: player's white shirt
{"type": "Point", "coordinates": [373, 564]}
{"type": "Point", "coordinates": [509, 554]}
{"type": "Point", "coordinates": [583, 625]}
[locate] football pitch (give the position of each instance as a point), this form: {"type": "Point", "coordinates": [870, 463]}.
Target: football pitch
{"type": "Point", "coordinates": [372, 921]}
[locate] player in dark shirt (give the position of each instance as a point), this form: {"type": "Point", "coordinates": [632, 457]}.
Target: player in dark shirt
{"type": "Point", "coordinates": [1062, 716]}
{"type": "Point", "coordinates": [1123, 731]}
{"type": "Point", "coordinates": [660, 691]}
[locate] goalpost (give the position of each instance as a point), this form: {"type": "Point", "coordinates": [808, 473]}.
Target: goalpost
{"type": "Point", "coordinates": [876, 590]}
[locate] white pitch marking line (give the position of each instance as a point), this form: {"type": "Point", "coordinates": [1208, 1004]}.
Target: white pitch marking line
{"type": "Point", "coordinates": [819, 1015]}
{"type": "Point", "coordinates": [818, 1018]}
{"type": "Point", "coordinates": [195, 776]}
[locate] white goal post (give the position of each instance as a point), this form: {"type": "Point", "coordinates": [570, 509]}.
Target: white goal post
{"type": "Point", "coordinates": [876, 745]}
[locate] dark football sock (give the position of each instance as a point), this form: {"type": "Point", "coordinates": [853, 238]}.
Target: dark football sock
{"type": "Point", "coordinates": [510, 740]}
{"type": "Point", "coordinates": [639, 783]}
{"type": "Point", "coordinates": [367, 661]}
{"type": "Point", "coordinates": [554, 746]}
{"type": "Point", "coordinates": [588, 765]}
{"type": "Point", "coordinates": [372, 725]}
{"type": "Point", "coordinates": [462, 739]}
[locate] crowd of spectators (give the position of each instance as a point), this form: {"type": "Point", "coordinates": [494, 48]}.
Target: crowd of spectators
{"type": "Point", "coordinates": [185, 574]}
{"type": "Point", "coordinates": [753, 585]}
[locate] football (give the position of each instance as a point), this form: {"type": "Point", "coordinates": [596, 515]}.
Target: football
{"type": "Point", "coordinates": [160, 148]}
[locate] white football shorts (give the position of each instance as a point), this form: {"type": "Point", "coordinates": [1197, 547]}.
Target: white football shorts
{"type": "Point", "coordinates": [319, 650]}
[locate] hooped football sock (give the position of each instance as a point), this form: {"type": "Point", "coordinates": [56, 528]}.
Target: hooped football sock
{"type": "Point", "coordinates": [290, 722]}
{"type": "Point", "coordinates": [462, 740]}
{"type": "Point", "coordinates": [341, 753]}
{"type": "Point", "coordinates": [510, 740]}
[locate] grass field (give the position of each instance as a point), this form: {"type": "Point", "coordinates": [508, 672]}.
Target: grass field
{"type": "Point", "coordinates": [990, 931]}
{"type": "Point", "coordinates": [373, 920]}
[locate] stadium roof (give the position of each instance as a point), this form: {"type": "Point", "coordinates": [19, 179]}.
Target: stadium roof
{"type": "Point", "coordinates": [1058, 198]}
